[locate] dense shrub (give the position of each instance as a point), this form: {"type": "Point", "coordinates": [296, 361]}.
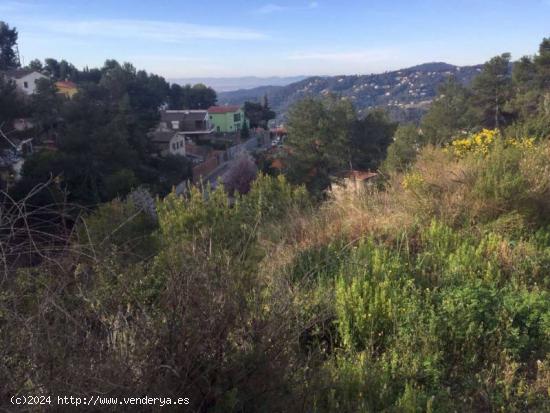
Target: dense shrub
{"type": "Point", "coordinates": [430, 294]}
{"type": "Point", "coordinates": [481, 185]}
{"type": "Point", "coordinates": [465, 342]}
{"type": "Point", "coordinates": [175, 308]}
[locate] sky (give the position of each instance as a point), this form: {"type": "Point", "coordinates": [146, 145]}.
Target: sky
{"type": "Point", "coordinates": [223, 38]}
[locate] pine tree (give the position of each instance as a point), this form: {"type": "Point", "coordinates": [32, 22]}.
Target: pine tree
{"type": "Point", "coordinates": [402, 152]}
{"type": "Point", "coordinates": [448, 114]}
{"type": "Point", "coordinates": [492, 90]}
{"type": "Point", "coordinates": [542, 64]}
{"type": "Point", "coordinates": [319, 140]}
{"type": "Point", "coordinates": [8, 42]}
{"type": "Point", "coordinates": [531, 102]}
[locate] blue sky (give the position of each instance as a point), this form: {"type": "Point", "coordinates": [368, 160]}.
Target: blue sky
{"type": "Point", "coordinates": [276, 37]}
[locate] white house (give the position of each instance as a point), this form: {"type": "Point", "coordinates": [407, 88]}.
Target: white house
{"type": "Point", "coordinates": [169, 143]}
{"type": "Point", "coordinates": [25, 79]}
{"type": "Point", "coordinates": [177, 126]}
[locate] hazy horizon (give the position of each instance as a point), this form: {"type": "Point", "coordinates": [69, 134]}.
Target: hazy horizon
{"type": "Point", "coordinates": [233, 83]}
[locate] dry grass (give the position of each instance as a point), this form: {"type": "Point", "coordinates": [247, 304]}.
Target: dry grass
{"type": "Point", "coordinates": [445, 189]}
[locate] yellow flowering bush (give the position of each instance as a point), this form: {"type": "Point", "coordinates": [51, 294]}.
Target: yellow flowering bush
{"type": "Point", "coordinates": [477, 143]}
{"type": "Point", "coordinates": [412, 180]}
{"type": "Point", "coordinates": [524, 143]}
{"type": "Point", "coordinates": [481, 142]}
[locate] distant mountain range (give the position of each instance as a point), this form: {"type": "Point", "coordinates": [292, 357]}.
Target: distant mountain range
{"type": "Point", "coordinates": [225, 84]}
{"type": "Point", "coordinates": [405, 94]}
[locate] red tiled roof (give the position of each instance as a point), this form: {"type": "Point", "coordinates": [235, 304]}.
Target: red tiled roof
{"type": "Point", "coordinates": [357, 175]}
{"type": "Point", "coordinates": [281, 131]}
{"type": "Point", "coordinates": [223, 109]}
{"type": "Point", "coordinates": [66, 84]}
{"type": "Point", "coordinates": [277, 164]}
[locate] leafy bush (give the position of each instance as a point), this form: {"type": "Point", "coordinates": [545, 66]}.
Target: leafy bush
{"type": "Point", "coordinates": [485, 183]}
{"type": "Point", "coordinates": [463, 340]}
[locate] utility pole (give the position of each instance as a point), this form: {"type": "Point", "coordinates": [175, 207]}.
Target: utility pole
{"type": "Point", "coordinates": [17, 55]}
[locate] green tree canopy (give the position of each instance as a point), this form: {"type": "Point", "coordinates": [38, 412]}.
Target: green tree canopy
{"type": "Point", "coordinates": [36, 64]}
{"type": "Point", "coordinates": [259, 114]}
{"type": "Point", "coordinates": [11, 103]}
{"type": "Point", "coordinates": [402, 152]}
{"type": "Point", "coordinates": [8, 42]}
{"type": "Point", "coordinates": [46, 105]}
{"type": "Point", "coordinates": [542, 64]}
{"type": "Point", "coordinates": [492, 89]}
{"type": "Point", "coordinates": [448, 114]}
{"type": "Point", "coordinates": [319, 140]}
{"type": "Point", "coordinates": [197, 96]}
{"type": "Point", "coordinates": [370, 140]}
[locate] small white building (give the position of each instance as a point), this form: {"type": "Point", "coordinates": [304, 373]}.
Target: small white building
{"type": "Point", "coordinates": [25, 79]}
{"type": "Point", "coordinates": [169, 143]}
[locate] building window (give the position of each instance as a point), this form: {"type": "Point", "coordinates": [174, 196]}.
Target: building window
{"type": "Point", "coordinates": [25, 85]}
{"type": "Point", "coordinates": [237, 117]}
{"type": "Point", "coordinates": [175, 124]}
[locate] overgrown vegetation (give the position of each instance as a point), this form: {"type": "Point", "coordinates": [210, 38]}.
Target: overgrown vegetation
{"type": "Point", "coordinates": [428, 295]}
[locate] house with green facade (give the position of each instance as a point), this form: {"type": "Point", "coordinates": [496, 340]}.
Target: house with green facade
{"type": "Point", "coordinates": [227, 119]}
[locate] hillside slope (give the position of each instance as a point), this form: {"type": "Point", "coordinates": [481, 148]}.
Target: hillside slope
{"type": "Point", "coordinates": [405, 93]}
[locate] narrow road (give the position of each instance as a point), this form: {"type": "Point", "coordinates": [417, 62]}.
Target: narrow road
{"type": "Point", "coordinates": [246, 147]}
{"type": "Point", "coordinates": [249, 146]}
{"type": "Point", "coordinates": [218, 173]}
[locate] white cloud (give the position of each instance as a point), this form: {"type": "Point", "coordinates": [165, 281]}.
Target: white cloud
{"type": "Point", "coordinates": [270, 8]}
{"type": "Point", "coordinates": [274, 8]}
{"type": "Point", "coordinates": [159, 31]}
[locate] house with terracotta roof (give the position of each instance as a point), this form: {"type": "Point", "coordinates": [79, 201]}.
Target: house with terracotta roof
{"type": "Point", "coordinates": [25, 79]}
{"type": "Point", "coordinates": [352, 181]}
{"type": "Point", "coordinates": [227, 119]}
{"type": "Point", "coordinates": [66, 88]}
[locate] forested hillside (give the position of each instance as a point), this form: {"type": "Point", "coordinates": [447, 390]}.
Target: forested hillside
{"type": "Point", "coordinates": [405, 94]}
